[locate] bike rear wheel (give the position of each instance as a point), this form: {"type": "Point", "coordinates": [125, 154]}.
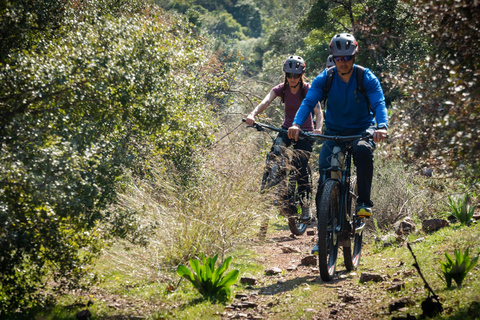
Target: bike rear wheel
{"type": "Point", "coordinates": [351, 255]}
{"type": "Point", "coordinates": [328, 210]}
{"type": "Point", "coordinates": [352, 261]}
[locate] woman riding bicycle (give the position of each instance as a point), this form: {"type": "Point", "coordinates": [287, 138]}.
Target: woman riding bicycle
{"type": "Point", "coordinates": [292, 91]}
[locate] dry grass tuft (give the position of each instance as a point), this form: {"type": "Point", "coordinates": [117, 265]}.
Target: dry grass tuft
{"type": "Point", "coordinates": [399, 192]}
{"type": "Point", "coordinates": [219, 211]}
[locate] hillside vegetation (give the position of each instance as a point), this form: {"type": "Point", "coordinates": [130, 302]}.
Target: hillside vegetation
{"type": "Point", "coordinates": [122, 141]}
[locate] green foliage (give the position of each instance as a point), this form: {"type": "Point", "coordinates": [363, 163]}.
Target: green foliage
{"type": "Point", "coordinates": [389, 38]}
{"type": "Point", "coordinates": [285, 42]}
{"type": "Point", "coordinates": [222, 25]}
{"type": "Point", "coordinates": [461, 209]}
{"type": "Point", "coordinates": [73, 114]}
{"type": "Point", "coordinates": [243, 13]}
{"type": "Point", "coordinates": [247, 14]}
{"type": "Point", "coordinates": [458, 269]}
{"type": "Point", "coordinates": [25, 23]}
{"type": "Point", "coordinates": [208, 280]}
{"type": "Point", "coordinates": [440, 119]}
{"type": "Point", "coordinates": [317, 17]}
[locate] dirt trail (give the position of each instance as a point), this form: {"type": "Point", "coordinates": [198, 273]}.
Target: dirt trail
{"type": "Point", "coordinates": [285, 251]}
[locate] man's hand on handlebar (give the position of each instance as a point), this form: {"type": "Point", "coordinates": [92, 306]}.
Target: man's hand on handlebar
{"type": "Point", "coordinates": [378, 135]}
{"type": "Point", "coordinates": [294, 132]}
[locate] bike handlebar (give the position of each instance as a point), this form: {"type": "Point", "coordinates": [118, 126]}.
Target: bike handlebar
{"type": "Point", "coordinates": [260, 126]}
{"type": "Point", "coordinates": [337, 138]}
{"type": "Point", "coordinates": [364, 136]}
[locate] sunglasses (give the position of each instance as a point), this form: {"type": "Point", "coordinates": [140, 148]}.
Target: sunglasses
{"type": "Point", "coordinates": [293, 75]}
{"type": "Point", "coordinates": [346, 58]}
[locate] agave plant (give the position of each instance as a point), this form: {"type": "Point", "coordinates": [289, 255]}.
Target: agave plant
{"type": "Point", "coordinates": [460, 209]}
{"type": "Point", "coordinates": [210, 282]}
{"type": "Point", "coordinates": [458, 269]}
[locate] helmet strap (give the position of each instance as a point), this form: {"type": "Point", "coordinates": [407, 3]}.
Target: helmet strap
{"type": "Point", "coordinates": [294, 85]}
{"type": "Point", "coordinates": [347, 71]}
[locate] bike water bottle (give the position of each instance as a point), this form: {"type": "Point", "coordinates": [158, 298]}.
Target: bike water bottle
{"type": "Point", "coordinates": [337, 161]}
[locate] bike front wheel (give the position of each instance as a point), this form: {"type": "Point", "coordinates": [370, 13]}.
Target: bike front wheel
{"type": "Point", "coordinates": [328, 210]}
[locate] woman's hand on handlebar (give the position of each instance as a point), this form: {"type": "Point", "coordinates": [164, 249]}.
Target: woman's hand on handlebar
{"type": "Point", "coordinates": [379, 135]}
{"type": "Point", "coordinates": [317, 131]}
{"type": "Point", "coordinates": [250, 120]}
{"type": "Point", "coordinates": [294, 132]}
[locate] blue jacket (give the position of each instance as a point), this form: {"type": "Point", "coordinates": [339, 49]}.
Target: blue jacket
{"type": "Point", "coordinates": [344, 113]}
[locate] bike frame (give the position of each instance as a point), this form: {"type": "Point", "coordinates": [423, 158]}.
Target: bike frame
{"type": "Point", "coordinates": [345, 195]}
{"type": "Point", "coordinates": [344, 182]}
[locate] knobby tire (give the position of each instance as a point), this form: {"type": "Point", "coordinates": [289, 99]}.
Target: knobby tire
{"type": "Point", "coordinates": [296, 227]}
{"type": "Point", "coordinates": [352, 261]}
{"type": "Point", "coordinates": [328, 207]}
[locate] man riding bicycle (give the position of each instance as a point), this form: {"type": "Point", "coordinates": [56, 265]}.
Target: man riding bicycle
{"type": "Point", "coordinates": [348, 112]}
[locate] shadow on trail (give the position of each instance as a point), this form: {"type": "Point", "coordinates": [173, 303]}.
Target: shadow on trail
{"type": "Point", "coordinates": [282, 286]}
{"type": "Point", "coordinates": [292, 237]}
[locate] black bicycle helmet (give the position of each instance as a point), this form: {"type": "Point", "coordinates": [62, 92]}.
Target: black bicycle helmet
{"type": "Point", "coordinates": [294, 64]}
{"type": "Point", "coordinates": [343, 44]}
{"type": "Point", "coordinates": [330, 62]}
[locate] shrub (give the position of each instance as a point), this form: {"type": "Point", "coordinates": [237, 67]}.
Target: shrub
{"type": "Point", "coordinates": [71, 112]}
{"type": "Point", "coordinates": [400, 192]}
{"type": "Point", "coordinates": [219, 209]}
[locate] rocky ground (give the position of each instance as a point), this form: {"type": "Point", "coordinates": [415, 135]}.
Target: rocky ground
{"type": "Point", "coordinates": [289, 266]}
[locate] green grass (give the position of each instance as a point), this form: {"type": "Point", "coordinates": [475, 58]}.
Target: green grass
{"type": "Point", "coordinates": [151, 298]}
{"type": "Point", "coordinates": [429, 252]}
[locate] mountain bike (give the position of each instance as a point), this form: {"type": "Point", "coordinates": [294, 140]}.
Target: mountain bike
{"type": "Point", "coordinates": [278, 174]}
{"type": "Point", "coordinates": [338, 223]}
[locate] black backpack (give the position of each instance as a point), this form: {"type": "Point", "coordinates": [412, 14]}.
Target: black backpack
{"type": "Point", "coordinates": [360, 88]}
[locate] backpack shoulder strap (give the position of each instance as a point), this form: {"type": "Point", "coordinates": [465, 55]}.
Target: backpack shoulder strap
{"type": "Point", "coordinates": [328, 84]}
{"type": "Point", "coordinates": [359, 77]}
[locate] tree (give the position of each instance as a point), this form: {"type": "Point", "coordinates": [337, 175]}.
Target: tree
{"type": "Point", "coordinates": [222, 25]}
{"type": "Point", "coordinates": [73, 115]}
{"type": "Point", "coordinates": [24, 22]}
{"type": "Point", "coordinates": [323, 20]}
{"type": "Point", "coordinates": [441, 119]}
{"type": "Point", "coordinates": [335, 16]}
